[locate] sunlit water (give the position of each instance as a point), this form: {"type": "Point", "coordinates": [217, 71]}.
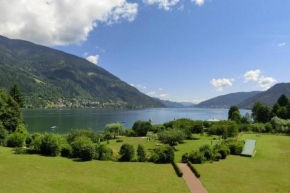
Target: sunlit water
{"type": "Point", "coordinates": [41, 120]}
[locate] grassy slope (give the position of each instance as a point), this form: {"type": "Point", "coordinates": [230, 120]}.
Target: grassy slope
{"type": "Point", "coordinates": [268, 171]}
{"type": "Point", "coordinates": [34, 173]}
{"type": "Point", "coordinates": [187, 146]}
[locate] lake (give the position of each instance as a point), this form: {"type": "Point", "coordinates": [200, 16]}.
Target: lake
{"type": "Point", "coordinates": [41, 120]}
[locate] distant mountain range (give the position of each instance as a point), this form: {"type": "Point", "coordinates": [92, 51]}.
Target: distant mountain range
{"type": "Point", "coordinates": [48, 77]}
{"type": "Point", "coordinates": [246, 100]}
{"type": "Point", "coordinates": [226, 101]}
{"type": "Point", "coordinates": [172, 104]}
{"type": "Point", "coordinates": [268, 97]}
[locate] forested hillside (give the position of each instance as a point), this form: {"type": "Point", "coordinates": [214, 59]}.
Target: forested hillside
{"type": "Point", "coordinates": [51, 78]}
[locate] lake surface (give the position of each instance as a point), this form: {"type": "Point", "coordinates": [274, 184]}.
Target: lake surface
{"type": "Point", "coordinates": [41, 120]}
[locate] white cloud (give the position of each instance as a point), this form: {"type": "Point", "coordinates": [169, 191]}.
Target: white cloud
{"type": "Point", "coordinates": [266, 82]}
{"type": "Point", "coordinates": [252, 75]}
{"type": "Point", "coordinates": [151, 94]}
{"type": "Point", "coordinates": [181, 8]}
{"type": "Point", "coordinates": [162, 4]}
{"type": "Point", "coordinates": [160, 89]}
{"type": "Point", "coordinates": [60, 22]}
{"type": "Point", "coordinates": [163, 96]}
{"type": "Point", "coordinates": [282, 44]}
{"type": "Point", "coordinates": [93, 59]}
{"type": "Point", "coordinates": [198, 2]}
{"type": "Point", "coordinates": [220, 84]}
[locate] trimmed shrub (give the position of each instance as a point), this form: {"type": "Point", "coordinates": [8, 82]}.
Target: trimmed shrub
{"type": "Point", "coordinates": [141, 153]}
{"type": "Point", "coordinates": [28, 139]}
{"type": "Point", "coordinates": [103, 153]}
{"type": "Point", "coordinates": [223, 150]}
{"type": "Point", "coordinates": [119, 140]}
{"type": "Point", "coordinates": [16, 140]}
{"type": "Point", "coordinates": [127, 152]}
{"type": "Point", "coordinates": [184, 158]}
{"type": "Point", "coordinates": [207, 151]}
{"type": "Point", "coordinates": [66, 150]}
{"type": "Point", "coordinates": [36, 141]}
{"type": "Point", "coordinates": [163, 154]}
{"type": "Point", "coordinates": [236, 147]}
{"type": "Point", "coordinates": [196, 157]}
{"type": "Point", "coordinates": [87, 152]}
{"type": "Point", "coordinates": [177, 169]}
{"type": "Point", "coordinates": [78, 145]}
{"type": "Point", "coordinates": [216, 157]}
{"type": "Point", "coordinates": [193, 169]}
{"type": "Point", "coordinates": [20, 150]}
{"type": "Point", "coordinates": [51, 144]}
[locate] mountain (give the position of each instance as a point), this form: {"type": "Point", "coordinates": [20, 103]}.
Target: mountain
{"type": "Point", "coordinates": [268, 97]}
{"type": "Point", "coordinates": [48, 77]}
{"type": "Point", "coordinates": [168, 103]}
{"type": "Point", "coordinates": [228, 100]}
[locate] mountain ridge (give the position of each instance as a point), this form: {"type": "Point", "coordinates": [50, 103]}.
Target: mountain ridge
{"type": "Point", "coordinates": [48, 77]}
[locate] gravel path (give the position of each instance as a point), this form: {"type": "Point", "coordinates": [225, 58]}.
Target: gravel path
{"type": "Point", "coordinates": [192, 181]}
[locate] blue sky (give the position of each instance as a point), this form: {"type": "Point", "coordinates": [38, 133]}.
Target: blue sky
{"type": "Point", "coordinates": [180, 50]}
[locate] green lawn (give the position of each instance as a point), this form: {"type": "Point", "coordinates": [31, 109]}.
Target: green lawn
{"type": "Point", "coordinates": [268, 171]}
{"type": "Point", "coordinates": [35, 173]}
{"type": "Point", "coordinates": [187, 146]}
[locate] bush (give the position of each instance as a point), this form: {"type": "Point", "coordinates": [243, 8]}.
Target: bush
{"type": "Point", "coordinates": [51, 144]}
{"type": "Point", "coordinates": [16, 140]}
{"type": "Point", "coordinates": [236, 147]}
{"type": "Point", "coordinates": [196, 157]}
{"type": "Point", "coordinates": [222, 149]}
{"type": "Point", "coordinates": [217, 157]}
{"type": "Point", "coordinates": [177, 169]}
{"type": "Point", "coordinates": [269, 127]}
{"type": "Point", "coordinates": [89, 133]}
{"type": "Point", "coordinates": [193, 169]}
{"type": "Point", "coordinates": [78, 144]}
{"type": "Point", "coordinates": [87, 152]}
{"type": "Point", "coordinates": [20, 150]}
{"type": "Point", "coordinates": [119, 140]}
{"type": "Point", "coordinates": [141, 153]}
{"type": "Point", "coordinates": [66, 150]}
{"type": "Point", "coordinates": [104, 153]}
{"type": "Point", "coordinates": [184, 158]}
{"type": "Point", "coordinates": [130, 133]}
{"type": "Point", "coordinates": [36, 141]}
{"type": "Point", "coordinates": [3, 135]}
{"type": "Point", "coordinates": [127, 152]}
{"type": "Point", "coordinates": [28, 139]}
{"type": "Point", "coordinates": [258, 127]}
{"type": "Point", "coordinates": [207, 151]}
{"type": "Point", "coordinates": [163, 154]}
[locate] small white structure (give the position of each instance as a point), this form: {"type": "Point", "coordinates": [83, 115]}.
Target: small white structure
{"type": "Point", "coordinates": [213, 120]}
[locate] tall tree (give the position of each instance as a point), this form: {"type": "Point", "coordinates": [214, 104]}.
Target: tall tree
{"type": "Point", "coordinates": [263, 114]}
{"type": "Point", "coordinates": [16, 94]}
{"type": "Point", "coordinates": [283, 100]}
{"type": "Point", "coordinates": [231, 111]}
{"type": "Point", "coordinates": [255, 109]}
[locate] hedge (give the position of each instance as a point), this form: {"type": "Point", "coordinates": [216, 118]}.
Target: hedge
{"type": "Point", "coordinates": [193, 169]}
{"type": "Point", "coordinates": [177, 169]}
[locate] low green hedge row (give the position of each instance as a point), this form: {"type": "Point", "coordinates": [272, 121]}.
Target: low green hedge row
{"type": "Point", "coordinates": [193, 169]}
{"type": "Point", "coordinates": [177, 169]}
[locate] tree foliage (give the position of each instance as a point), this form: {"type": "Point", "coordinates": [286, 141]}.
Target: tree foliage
{"type": "Point", "coordinates": [127, 152]}
{"type": "Point", "coordinates": [142, 127]}
{"type": "Point", "coordinates": [16, 94]}
{"type": "Point", "coordinates": [171, 137]}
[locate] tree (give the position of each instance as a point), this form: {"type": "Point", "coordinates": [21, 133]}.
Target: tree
{"type": "Point", "coordinates": [275, 110]}
{"type": "Point", "coordinates": [236, 116]}
{"type": "Point", "coordinates": [127, 152]}
{"type": "Point", "coordinates": [263, 114]}
{"type": "Point", "coordinates": [141, 153]}
{"type": "Point", "coordinates": [283, 100]}
{"type": "Point", "coordinates": [16, 94]}
{"type": "Point", "coordinates": [163, 154]}
{"type": "Point", "coordinates": [171, 137]}
{"type": "Point", "coordinates": [142, 127]}
{"type": "Point", "coordinates": [115, 128]}
{"type": "Point", "coordinates": [255, 109]}
{"type": "Point", "coordinates": [246, 119]}
{"type": "Point", "coordinates": [231, 111]}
